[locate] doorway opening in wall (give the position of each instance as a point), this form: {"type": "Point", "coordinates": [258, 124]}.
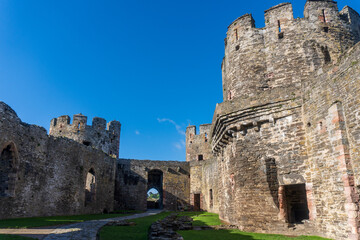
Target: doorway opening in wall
{"type": "Point", "coordinates": [197, 199]}
{"type": "Point", "coordinates": [153, 199]}
{"type": "Point", "coordinates": [90, 187]}
{"type": "Point", "coordinates": [8, 170]}
{"type": "Point", "coordinates": [296, 203]}
{"type": "Point", "coordinates": [155, 189]}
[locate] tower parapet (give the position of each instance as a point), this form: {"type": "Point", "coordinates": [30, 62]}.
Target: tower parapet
{"type": "Point", "coordinates": [286, 51]}
{"type": "Point", "coordinates": [98, 135]}
{"type": "Point", "coordinates": [198, 145]}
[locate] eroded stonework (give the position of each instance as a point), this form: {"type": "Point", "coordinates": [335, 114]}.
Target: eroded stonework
{"type": "Point", "coordinates": [283, 144]}
{"type": "Point", "coordinates": [280, 156]}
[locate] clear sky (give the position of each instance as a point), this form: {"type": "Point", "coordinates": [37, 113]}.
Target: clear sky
{"type": "Point", "coordinates": [152, 65]}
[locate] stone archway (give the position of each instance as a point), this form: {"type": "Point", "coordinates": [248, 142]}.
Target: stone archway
{"type": "Point", "coordinates": [155, 180]}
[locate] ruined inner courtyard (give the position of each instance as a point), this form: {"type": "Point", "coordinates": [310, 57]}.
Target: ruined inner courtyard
{"type": "Point", "coordinates": [280, 156]}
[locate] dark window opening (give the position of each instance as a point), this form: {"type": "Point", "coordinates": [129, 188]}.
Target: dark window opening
{"type": "Point", "coordinates": [211, 198]}
{"type": "Point", "coordinates": [296, 203]}
{"type": "Point", "coordinates": [237, 47]}
{"type": "Point", "coordinates": [281, 35]}
{"type": "Point", "coordinates": [200, 157]}
{"type": "Point", "coordinates": [326, 29]}
{"type": "Point", "coordinates": [87, 143]}
{"type": "Point", "coordinates": [327, 57]}
{"type": "Point", "coordinates": [323, 15]}
{"type": "Point", "coordinates": [308, 124]}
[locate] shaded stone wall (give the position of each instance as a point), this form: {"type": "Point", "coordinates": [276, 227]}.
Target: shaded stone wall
{"type": "Point", "coordinates": [49, 174]}
{"type": "Point", "coordinates": [132, 183]}
{"type": "Point", "coordinates": [99, 135]}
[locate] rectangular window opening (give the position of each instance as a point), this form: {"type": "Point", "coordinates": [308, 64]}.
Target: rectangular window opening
{"type": "Point", "coordinates": [323, 15]}
{"type": "Point", "coordinates": [200, 157]}
{"type": "Point", "coordinates": [281, 35]}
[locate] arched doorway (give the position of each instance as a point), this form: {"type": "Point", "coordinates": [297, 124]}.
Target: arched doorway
{"type": "Point", "coordinates": [153, 199]}
{"type": "Point", "coordinates": [8, 170]}
{"type": "Point", "coordinates": [90, 187]}
{"type": "Point", "coordinates": [155, 184]}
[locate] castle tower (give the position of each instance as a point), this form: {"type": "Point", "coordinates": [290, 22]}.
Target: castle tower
{"type": "Point", "coordinates": [99, 136]}
{"type": "Point", "coordinates": [198, 145]}
{"type": "Point", "coordinates": [286, 51]}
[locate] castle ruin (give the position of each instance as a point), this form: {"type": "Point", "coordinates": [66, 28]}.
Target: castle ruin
{"type": "Point", "coordinates": [280, 156]}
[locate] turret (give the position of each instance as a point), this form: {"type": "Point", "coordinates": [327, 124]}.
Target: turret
{"type": "Point", "coordinates": [258, 60]}
{"type": "Point", "coordinates": [198, 145]}
{"type": "Point", "coordinates": [97, 136]}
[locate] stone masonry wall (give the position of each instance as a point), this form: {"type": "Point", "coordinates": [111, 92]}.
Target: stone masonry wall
{"type": "Point", "coordinates": [99, 135]}
{"type": "Point", "coordinates": [263, 149]}
{"type": "Point", "coordinates": [331, 112]}
{"type": "Point", "coordinates": [198, 145]}
{"type": "Point", "coordinates": [48, 174]}
{"type": "Point", "coordinates": [132, 183]}
{"type": "Point", "coordinates": [286, 51]}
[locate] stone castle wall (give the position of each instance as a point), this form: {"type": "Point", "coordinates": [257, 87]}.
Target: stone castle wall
{"type": "Point", "coordinates": [99, 135]}
{"type": "Point", "coordinates": [331, 113]}
{"type": "Point", "coordinates": [198, 145]}
{"type": "Point", "coordinates": [283, 144]}
{"type": "Point", "coordinates": [132, 184]}
{"type": "Point", "coordinates": [42, 175]}
{"type": "Point", "coordinates": [286, 50]}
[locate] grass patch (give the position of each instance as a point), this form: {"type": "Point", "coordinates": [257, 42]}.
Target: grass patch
{"type": "Point", "coordinates": [203, 218]}
{"type": "Point", "coordinates": [137, 232]}
{"type": "Point", "coordinates": [50, 221]}
{"type": "Point", "coordinates": [238, 235]}
{"type": "Point", "coordinates": [13, 237]}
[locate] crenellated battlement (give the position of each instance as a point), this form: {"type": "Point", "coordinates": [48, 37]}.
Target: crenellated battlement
{"type": "Point", "coordinates": [261, 59]}
{"type": "Point", "coordinates": [100, 135]}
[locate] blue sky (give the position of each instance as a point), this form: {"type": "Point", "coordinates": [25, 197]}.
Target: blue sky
{"type": "Point", "coordinates": [152, 65]}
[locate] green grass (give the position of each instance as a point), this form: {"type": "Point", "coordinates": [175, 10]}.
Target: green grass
{"type": "Point", "coordinates": [50, 221]}
{"type": "Point", "coordinates": [203, 218]}
{"type": "Point", "coordinates": [238, 235]}
{"type": "Point", "coordinates": [13, 237]}
{"type": "Point", "coordinates": [137, 232]}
